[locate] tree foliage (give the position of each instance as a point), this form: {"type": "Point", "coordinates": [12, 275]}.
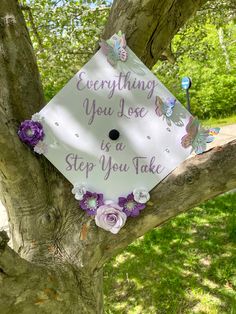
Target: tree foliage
{"type": "Point", "coordinates": [65, 35]}
{"type": "Point", "coordinates": [204, 50]}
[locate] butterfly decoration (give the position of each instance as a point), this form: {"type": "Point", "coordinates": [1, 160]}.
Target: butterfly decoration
{"type": "Point", "coordinates": [165, 109]}
{"type": "Point", "coordinates": [115, 49]}
{"type": "Point", "coordinates": [197, 136]}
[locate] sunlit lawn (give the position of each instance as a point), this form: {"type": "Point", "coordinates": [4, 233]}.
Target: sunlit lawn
{"type": "Point", "coordinates": [219, 121]}
{"type": "Point", "coordinates": [187, 266]}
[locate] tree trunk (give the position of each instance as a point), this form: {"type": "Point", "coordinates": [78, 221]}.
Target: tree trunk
{"type": "Point", "coordinates": [28, 288]}
{"type": "Point", "coordinates": [150, 25]}
{"type": "Point", "coordinates": [56, 265]}
{"type": "Point", "coordinates": [224, 48]}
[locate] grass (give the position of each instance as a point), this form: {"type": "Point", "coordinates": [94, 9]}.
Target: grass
{"type": "Point", "coordinates": [187, 266]}
{"type": "Point", "coordinates": [219, 121]}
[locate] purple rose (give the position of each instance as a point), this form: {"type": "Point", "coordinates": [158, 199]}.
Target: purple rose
{"type": "Point", "coordinates": [110, 217]}
{"type": "Point", "coordinates": [91, 201]}
{"type": "Point", "coordinates": [130, 206]}
{"type": "Point", "coordinates": [31, 132]}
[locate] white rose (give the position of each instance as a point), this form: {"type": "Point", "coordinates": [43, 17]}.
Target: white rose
{"type": "Point", "coordinates": [78, 190]}
{"type": "Point", "coordinates": [141, 196]}
{"type": "Point", "coordinates": [37, 117]}
{"type": "Point", "coordinates": [41, 148]}
{"type": "Point", "coordinates": [110, 217]}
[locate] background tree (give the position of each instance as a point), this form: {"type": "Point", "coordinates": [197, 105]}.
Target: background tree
{"type": "Point", "coordinates": [56, 264]}
{"type": "Point", "coordinates": [205, 49]}
{"type": "Point", "coordinates": [66, 33]}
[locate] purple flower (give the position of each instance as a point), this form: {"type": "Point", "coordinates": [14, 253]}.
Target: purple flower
{"type": "Point", "coordinates": [110, 217]}
{"type": "Point", "coordinates": [90, 202]}
{"type": "Point", "coordinates": [31, 132]}
{"type": "Point", "coordinates": [130, 206]}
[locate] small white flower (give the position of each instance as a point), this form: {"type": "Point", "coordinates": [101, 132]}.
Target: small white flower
{"type": "Point", "coordinates": [37, 117]}
{"type": "Point", "coordinates": [78, 190]}
{"type": "Point", "coordinates": [141, 196]}
{"type": "Point", "coordinates": [41, 148]}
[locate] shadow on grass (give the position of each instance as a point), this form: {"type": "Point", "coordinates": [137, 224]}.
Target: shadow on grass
{"type": "Point", "coordinates": [187, 266]}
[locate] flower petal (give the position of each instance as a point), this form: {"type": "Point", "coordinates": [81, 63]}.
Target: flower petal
{"type": "Point", "coordinates": [110, 218]}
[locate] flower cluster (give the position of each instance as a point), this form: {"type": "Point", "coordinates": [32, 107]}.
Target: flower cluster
{"type": "Point", "coordinates": [31, 133]}
{"type": "Point", "coordinates": [109, 215]}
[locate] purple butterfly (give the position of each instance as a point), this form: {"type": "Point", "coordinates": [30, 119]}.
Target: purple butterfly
{"type": "Point", "coordinates": [198, 137]}
{"type": "Point", "coordinates": [115, 49]}
{"type": "Point", "coordinates": [165, 109]}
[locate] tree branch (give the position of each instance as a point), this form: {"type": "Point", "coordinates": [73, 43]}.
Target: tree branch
{"type": "Point", "coordinates": [10, 262]}
{"type": "Point", "coordinates": [23, 185]}
{"type": "Point", "coordinates": [34, 28]}
{"type": "Point", "coordinates": [196, 180]}
{"type": "Point", "coordinates": [167, 54]}
{"type": "Point", "coordinates": [29, 288]}
{"type": "Point", "coordinates": [4, 239]}
{"type": "Point", "coordinates": [150, 25]}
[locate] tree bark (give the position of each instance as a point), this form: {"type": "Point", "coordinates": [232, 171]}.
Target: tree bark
{"type": "Point", "coordinates": [150, 25]}
{"type": "Point", "coordinates": [30, 288]}
{"type": "Point", "coordinates": [224, 48]}
{"type": "Point", "coordinates": [59, 252]}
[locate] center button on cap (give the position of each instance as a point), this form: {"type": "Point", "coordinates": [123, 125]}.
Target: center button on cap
{"type": "Point", "coordinates": [114, 135]}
